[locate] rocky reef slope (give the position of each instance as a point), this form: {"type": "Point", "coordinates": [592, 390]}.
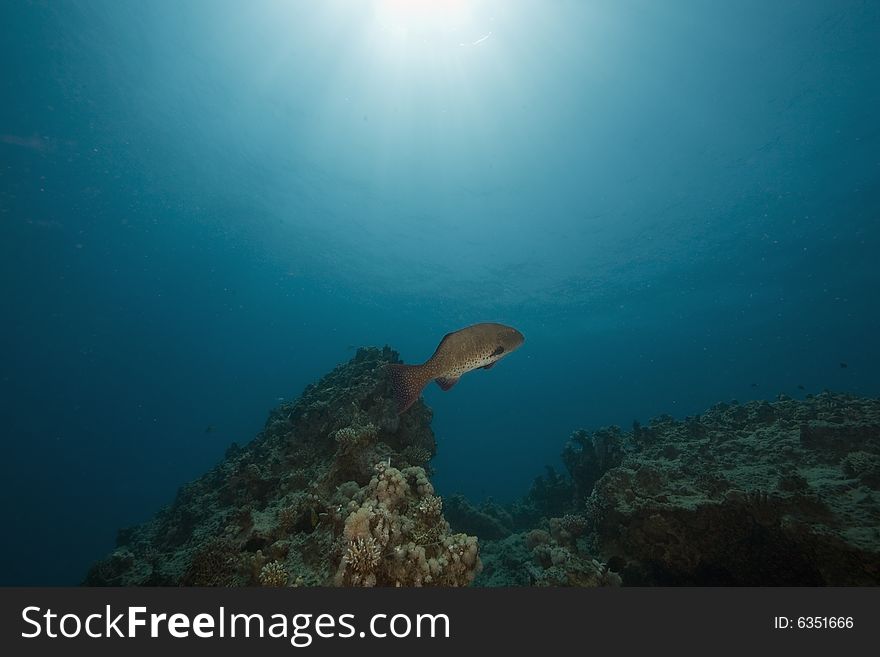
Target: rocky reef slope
{"type": "Point", "coordinates": [781, 493]}
{"type": "Point", "coordinates": [763, 493]}
{"type": "Point", "coordinates": [332, 491]}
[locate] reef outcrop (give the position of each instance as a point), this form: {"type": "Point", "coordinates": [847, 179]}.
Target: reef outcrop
{"type": "Point", "coordinates": [781, 493]}
{"type": "Point", "coordinates": [332, 491]}
{"type": "Point", "coordinates": [335, 491]}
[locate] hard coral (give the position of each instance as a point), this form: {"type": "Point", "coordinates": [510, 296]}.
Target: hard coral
{"type": "Point", "coordinates": [361, 559]}
{"type": "Point", "coordinates": [753, 494]}
{"type": "Point", "coordinates": [397, 536]}
{"type": "Point", "coordinates": [287, 492]}
{"type": "Point", "coordinates": [273, 574]}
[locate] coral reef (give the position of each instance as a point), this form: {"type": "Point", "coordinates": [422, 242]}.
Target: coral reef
{"type": "Point", "coordinates": [396, 536]}
{"type": "Point", "coordinates": [764, 493]}
{"type": "Point", "coordinates": [272, 511]}
{"type": "Point", "coordinates": [273, 574]}
{"type": "Point", "coordinates": [334, 491]}
{"type": "Point", "coordinates": [781, 493]}
{"type": "Point", "coordinates": [556, 555]}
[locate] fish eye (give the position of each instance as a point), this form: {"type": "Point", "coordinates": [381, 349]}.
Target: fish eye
{"type": "Point", "coordinates": [498, 351]}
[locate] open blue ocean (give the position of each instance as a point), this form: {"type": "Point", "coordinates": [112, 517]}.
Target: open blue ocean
{"type": "Point", "coordinates": [206, 206]}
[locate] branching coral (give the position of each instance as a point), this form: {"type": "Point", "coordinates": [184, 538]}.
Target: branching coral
{"type": "Point", "coordinates": [361, 560]}
{"type": "Point", "coordinates": [397, 536]}
{"type": "Point", "coordinates": [355, 437]}
{"type": "Point", "coordinates": [430, 507]}
{"type": "Point", "coordinates": [273, 574]}
{"type": "Point", "coordinates": [429, 525]}
{"type": "Point", "coordinates": [356, 451]}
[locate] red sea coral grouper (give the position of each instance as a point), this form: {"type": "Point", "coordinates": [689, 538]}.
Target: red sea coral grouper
{"type": "Point", "coordinates": [477, 346]}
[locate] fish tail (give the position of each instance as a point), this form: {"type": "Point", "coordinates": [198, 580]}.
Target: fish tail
{"type": "Point", "coordinates": [407, 382]}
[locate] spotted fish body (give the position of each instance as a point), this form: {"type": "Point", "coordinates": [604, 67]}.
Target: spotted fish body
{"type": "Point", "coordinates": [471, 348]}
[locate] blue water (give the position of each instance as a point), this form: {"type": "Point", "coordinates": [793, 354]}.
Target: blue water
{"type": "Point", "coordinates": [205, 206]}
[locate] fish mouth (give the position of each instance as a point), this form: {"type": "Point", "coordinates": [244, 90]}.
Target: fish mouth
{"type": "Point", "coordinates": [519, 337]}
{"type": "Point", "coordinates": [510, 338]}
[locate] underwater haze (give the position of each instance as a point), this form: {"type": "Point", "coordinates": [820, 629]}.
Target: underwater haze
{"type": "Point", "coordinates": [207, 205]}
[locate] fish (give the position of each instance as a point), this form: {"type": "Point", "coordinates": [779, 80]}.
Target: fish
{"type": "Point", "coordinates": [843, 366]}
{"type": "Point", "coordinates": [479, 346]}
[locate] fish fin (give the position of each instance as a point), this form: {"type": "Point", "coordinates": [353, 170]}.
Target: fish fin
{"type": "Point", "coordinates": [440, 346]}
{"type": "Point", "coordinates": [407, 382]}
{"type": "Point", "coordinates": [446, 382]}
{"type": "Point", "coordinates": [489, 366]}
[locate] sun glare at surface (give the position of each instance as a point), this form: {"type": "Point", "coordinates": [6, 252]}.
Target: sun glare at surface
{"type": "Point", "coordinates": [424, 18]}
{"type": "Point", "coordinates": [415, 12]}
